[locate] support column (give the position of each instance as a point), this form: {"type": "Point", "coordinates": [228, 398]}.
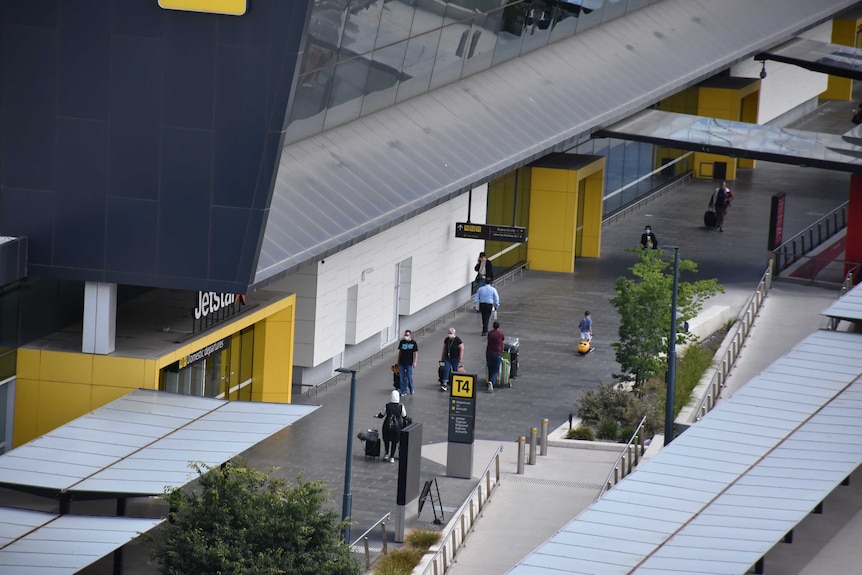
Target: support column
{"type": "Point", "coordinates": [100, 318]}
{"type": "Point", "coordinates": [853, 240]}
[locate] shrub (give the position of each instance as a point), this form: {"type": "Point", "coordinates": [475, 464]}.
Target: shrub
{"type": "Point", "coordinates": [422, 539]}
{"type": "Point", "coordinates": [625, 434]}
{"type": "Point", "coordinates": [605, 402]}
{"type": "Point", "coordinates": [398, 562]}
{"type": "Point", "coordinates": [608, 429]}
{"type": "Point", "coordinates": [581, 432]}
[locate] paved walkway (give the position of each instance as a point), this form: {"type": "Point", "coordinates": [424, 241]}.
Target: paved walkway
{"type": "Point", "coordinates": [543, 309]}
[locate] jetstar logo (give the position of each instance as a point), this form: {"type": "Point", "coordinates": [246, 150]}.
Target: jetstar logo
{"type": "Point", "coordinates": [210, 302]}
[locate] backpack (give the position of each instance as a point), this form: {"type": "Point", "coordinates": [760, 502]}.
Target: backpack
{"type": "Point", "coordinates": [584, 325]}
{"type": "Point", "coordinates": [720, 197]}
{"type": "Point", "coordinates": [393, 421]}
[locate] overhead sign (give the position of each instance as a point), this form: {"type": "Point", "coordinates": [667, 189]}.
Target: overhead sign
{"type": "Point", "coordinates": [230, 7]}
{"type": "Point", "coordinates": [491, 232]}
{"type": "Point", "coordinates": [204, 353]}
{"type": "Point", "coordinates": [776, 221]}
{"type": "Point", "coordinates": [462, 407]}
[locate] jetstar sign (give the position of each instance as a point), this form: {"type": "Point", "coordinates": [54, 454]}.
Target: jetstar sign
{"type": "Point", "coordinates": [209, 302]}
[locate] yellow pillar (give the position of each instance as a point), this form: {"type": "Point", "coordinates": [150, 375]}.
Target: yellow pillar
{"type": "Point", "coordinates": [566, 195]}
{"type": "Point", "coordinates": [844, 33]}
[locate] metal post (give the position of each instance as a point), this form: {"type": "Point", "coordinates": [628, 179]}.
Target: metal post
{"type": "Point", "coordinates": [347, 500]}
{"type": "Point", "coordinates": [521, 441]}
{"type": "Point", "coordinates": [533, 433]}
{"type": "Point", "coordinates": [671, 355]}
{"type": "Point", "coordinates": [544, 450]}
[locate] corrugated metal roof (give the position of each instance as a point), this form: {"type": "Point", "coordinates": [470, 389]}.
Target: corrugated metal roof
{"type": "Point", "coordinates": [337, 188]}
{"type": "Point", "coordinates": [723, 493]}
{"type": "Point", "coordinates": [36, 543]}
{"type": "Point", "coordinates": [142, 443]}
{"type": "Point", "coordinates": [848, 306]}
{"type": "Point", "coordinates": [844, 61]}
{"type": "Point", "coordinates": [741, 139]}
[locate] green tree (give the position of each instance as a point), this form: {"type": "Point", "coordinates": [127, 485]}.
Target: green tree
{"type": "Point", "coordinates": [644, 306]}
{"type": "Point", "coordinates": [240, 521]}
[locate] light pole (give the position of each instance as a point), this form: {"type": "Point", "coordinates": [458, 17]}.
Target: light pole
{"type": "Point", "coordinates": [347, 499]}
{"type": "Point", "coordinates": [671, 354]}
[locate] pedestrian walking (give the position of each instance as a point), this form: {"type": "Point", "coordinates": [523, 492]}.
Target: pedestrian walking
{"type": "Point", "coordinates": [720, 201]}
{"type": "Point", "coordinates": [408, 356]}
{"type": "Point", "coordinates": [494, 354]}
{"type": "Point", "coordinates": [452, 357]}
{"type": "Point", "coordinates": [648, 239]}
{"type": "Point", "coordinates": [484, 271]}
{"type": "Point", "coordinates": [486, 300]}
{"type": "Point", "coordinates": [393, 415]}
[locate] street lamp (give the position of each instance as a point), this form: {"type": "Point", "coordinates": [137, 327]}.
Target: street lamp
{"type": "Point", "coordinates": [671, 354]}
{"type": "Point", "coordinates": [347, 499]}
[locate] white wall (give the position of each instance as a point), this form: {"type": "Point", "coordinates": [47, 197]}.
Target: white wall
{"type": "Point", "coordinates": [440, 264]}
{"type": "Point", "coordinates": [785, 86]}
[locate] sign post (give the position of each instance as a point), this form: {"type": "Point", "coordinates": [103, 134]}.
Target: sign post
{"type": "Point", "coordinates": [776, 221]}
{"type": "Point", "coordinates": [462, 418]}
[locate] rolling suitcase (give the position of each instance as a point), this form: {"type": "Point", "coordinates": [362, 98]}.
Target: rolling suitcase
{"type": "Point", "coordinates": [371, 439]}
{"type": "Point", "coordinates": [505, 379]}
{"type": "Point", "coordinates": [710, 220]}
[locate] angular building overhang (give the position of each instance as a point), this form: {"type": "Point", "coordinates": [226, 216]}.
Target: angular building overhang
{"type": "Point", "coordinates": [349, 183]}
{"type": "Point", "coordinates": [742, 140]}
{"type": "Point", "coordinates": [13, 259]}
{"type": "Point", "coordinates": [844, 61]}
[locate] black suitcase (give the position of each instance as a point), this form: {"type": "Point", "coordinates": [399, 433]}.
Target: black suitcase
{"type": "Point", "coordinates": [372, 447]}
{"type": "Point", "coordinates": [709, 219]}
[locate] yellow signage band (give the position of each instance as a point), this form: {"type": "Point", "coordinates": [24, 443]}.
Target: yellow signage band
{"type": "Point", "coordinates": [229, 7]}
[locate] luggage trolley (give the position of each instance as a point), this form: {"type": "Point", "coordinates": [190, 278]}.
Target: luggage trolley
{"type": "Point", "coordinates": [511, 351]}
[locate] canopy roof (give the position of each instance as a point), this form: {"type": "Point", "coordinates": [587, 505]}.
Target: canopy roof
{"type": "Point", "coordinates": [844, 61]}
{"type": "Point", "coordinates": [142, 444]}
{"type": "Point", "coordinates": [723, 493]}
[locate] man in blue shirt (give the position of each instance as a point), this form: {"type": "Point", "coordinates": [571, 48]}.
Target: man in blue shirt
{"type": "Point", "coordinates": [486, 300]}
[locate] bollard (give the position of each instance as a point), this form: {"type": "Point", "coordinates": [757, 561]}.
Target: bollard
{"type": "Point", "coordinates": [544, 450]}
{"type": "Point", "coordinates": [383, 530]}
{"type": "Point", "coordinates": [533, 433]}
{"type": "Point", "coordinates": [521, 441]}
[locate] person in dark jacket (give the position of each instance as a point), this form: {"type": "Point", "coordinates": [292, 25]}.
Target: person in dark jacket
{"type": "Point", "coordinates": [484, 271]}
{"type": "Point", "coordinates": [648, 239]}
{"type": "Point", "coordinates": [393, 415]}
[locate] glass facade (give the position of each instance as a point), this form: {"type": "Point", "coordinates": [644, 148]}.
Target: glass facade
{"type": "Point", "coordinates": [629, 168]}
{"type": "Point", "coordinates": [364, 55]}
{"type": "Point", "coordinates": [224, 374]}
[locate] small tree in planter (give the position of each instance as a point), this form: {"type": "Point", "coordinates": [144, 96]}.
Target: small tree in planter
{"type": "Point", "coordinates": [644, 306]}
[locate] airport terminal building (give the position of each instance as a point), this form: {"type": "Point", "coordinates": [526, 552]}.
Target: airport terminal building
{"type": "Point", "coordinates": [233, 198]}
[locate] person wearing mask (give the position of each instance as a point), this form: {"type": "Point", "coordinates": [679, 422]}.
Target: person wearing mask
{"type": "Point", "coordinates": [494, 354]}
{"type": "Point", "coordinates": [408, 356]}
{"type": "Point", "coordinates": [720, 201]}
{"type": "Point", "coordinates": [648, 239]}
{"type": "Point", "coordinates": [393, 415]}
{"type": "Point", "coordinates": [452, 357]}
{"type": "Point", "coordinates": [486, 300]}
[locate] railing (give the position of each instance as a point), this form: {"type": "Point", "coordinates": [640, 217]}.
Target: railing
{"type": "Point", "coordinates": [808, 239]}
{"type": "Point", "coordinates": [364, 539]}
{"type": "Point", "coordinates": [463, 520]}
{"type": "Point", "coordinates": [847, 285]}
{"type": "Point", "coordinates": [628, 459]}
{"type": "Point", "coordinates": [739, 332]}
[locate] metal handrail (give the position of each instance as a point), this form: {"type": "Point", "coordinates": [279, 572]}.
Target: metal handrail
{"type": "Point", "coordinates": [364, 538]}
{"type": "Point", "coordinates": [808, 239]}
{"type": "Point", "coordinates": [626, 457]}
{"type": "Point", "coordinates": [463, 520]}
{"type": "Point", "coordinates": [740, 332]}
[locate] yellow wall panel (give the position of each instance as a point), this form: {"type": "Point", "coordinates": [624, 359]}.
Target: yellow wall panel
{"type": "Point", "coordinates": [125, 372]}
{"type": "Point", "coordinates": [29, 363]}
{"type": "Point", "coordinates": [105, 394]}
{"type": "Point", "coordinates": [60, 403]}
{"type": "Point", "coordinates": [26, 410]}
{"type": "Point", "coordinates": [591, 237]}
{"type": "Point", "coordinates": [65, 366]}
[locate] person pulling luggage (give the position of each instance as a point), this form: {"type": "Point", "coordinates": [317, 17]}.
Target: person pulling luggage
{"type": "Point", "coordinates": [452, 357]}
{"type": "Point", "coordinates": [393, 415]}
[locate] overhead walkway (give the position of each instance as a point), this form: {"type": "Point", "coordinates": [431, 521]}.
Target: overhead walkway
{"type": "Point", "coordinates": [742, 140]}
{"type": "Point", "coordinates": [725, 492]}
{"type": "Point", "coordinates": [835, 59]}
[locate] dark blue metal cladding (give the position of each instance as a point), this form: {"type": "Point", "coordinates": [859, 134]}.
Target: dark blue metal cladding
{"type": "Point", "coordinates": [139, 145]}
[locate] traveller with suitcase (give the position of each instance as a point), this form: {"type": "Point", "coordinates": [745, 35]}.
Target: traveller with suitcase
{"type": "Point", "coordinates": [393, 416]}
